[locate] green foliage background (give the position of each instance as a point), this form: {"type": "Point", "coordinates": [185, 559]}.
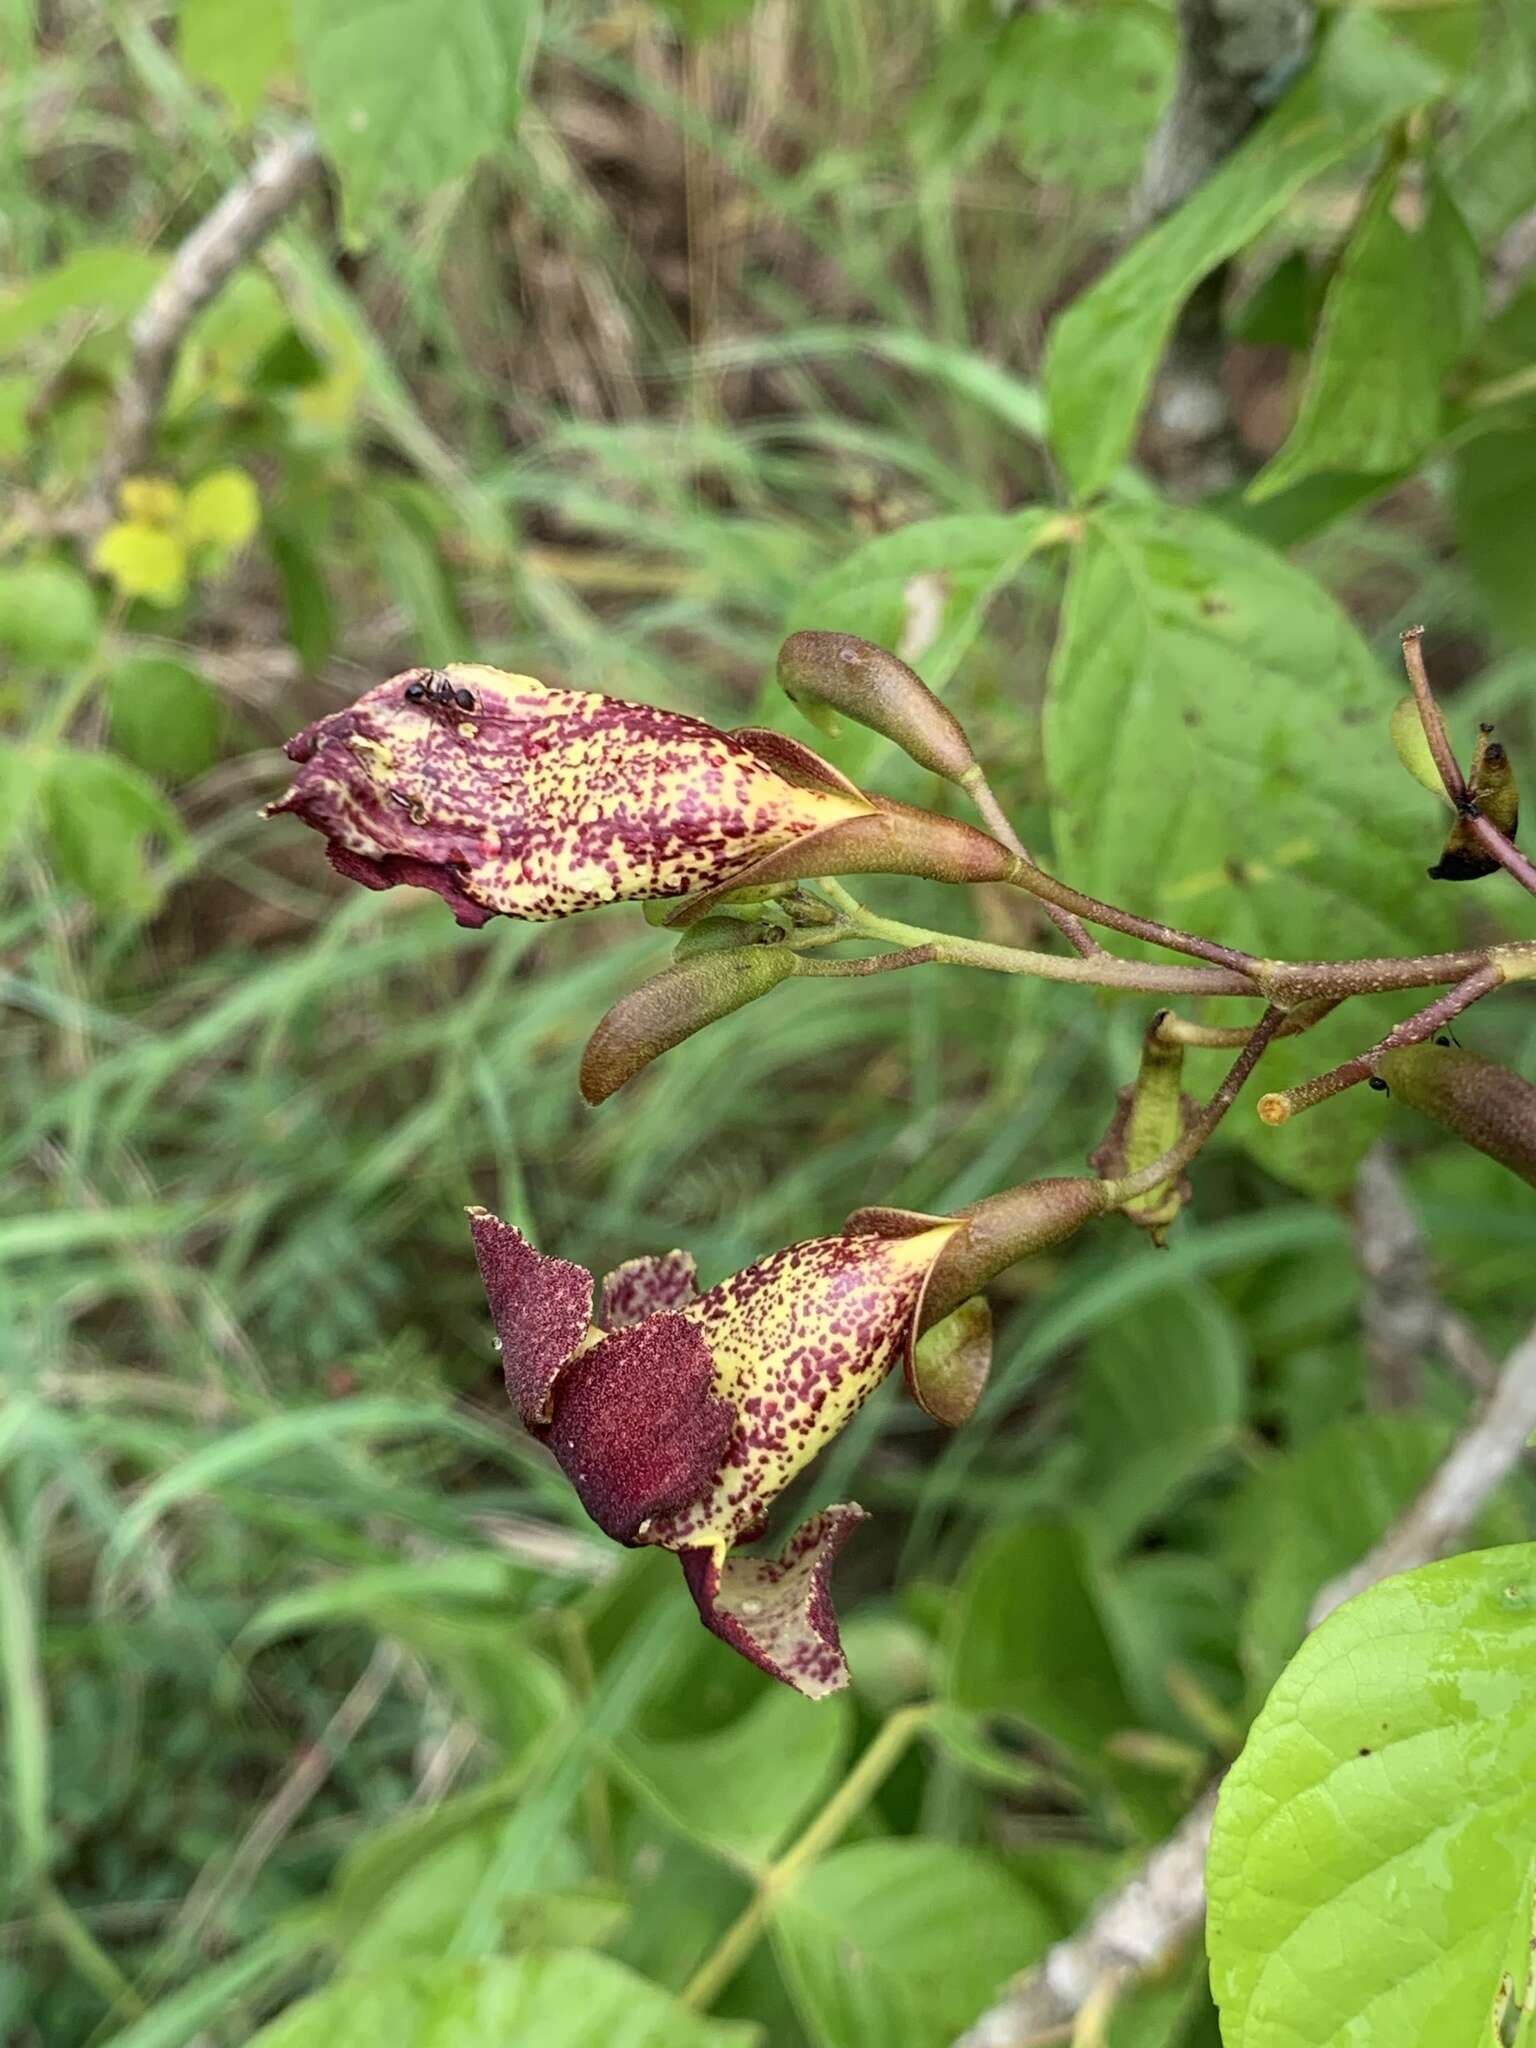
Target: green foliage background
{"type": "Point", "coordinates": [619, 342]}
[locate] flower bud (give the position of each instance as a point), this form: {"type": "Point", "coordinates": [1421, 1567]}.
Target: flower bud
{"type": "Point", "coordinates": [838, 672]}
{"type": "Point", "coordinates": [1483, 1103]}
{"type": "Point", "coordinates": [673, 1005]}
{"type": "Point", "coordinates": [1152, 1113]}
{"type": "Point", "coordinates": [1492, 787]}
{"type": "Point", "coordinates": [889, 839]}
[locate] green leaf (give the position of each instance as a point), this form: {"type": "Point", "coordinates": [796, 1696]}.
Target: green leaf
{"type": "Point", "coordinates": [1372, 399]}
{"type": "Point", "coordinates": [165, 718]}
{"type": "Point", "coordinates": [1162, 1392]}
{"type": "Point", "coordinates": [899, 1944]}
{"type": "Point", "coordinates": [109, 830]}
{"type": "Point", "coordinates": [1026, 1637]}
{"type": "Point", "coordinates": [1370, 1868]}
{"type": "Point", "coordinates": [1216, 741]}
{"type": "Point", "coordinates": [222, 510]}
{"type": "Point", "coordinates": [1413, 748]}
{"type": "Point", "coordinates": [109, 279]}
{"type": "Point", "coordinates": [1104, 350]}
{"type": "Point", "coordinates": [236, 48]}
{"type": "Point", "coordinates": [306, 594]}
{"type": "Point", "coordinates": [1495, 483]}
{"type": "Point", "coordinates": [17, 396]}
{"type": "Point", "coordinates": [1079, 92]}
{"type": "Point", "coordinates": [700, 18]}
{"type": "Point", "coordinates": [47, 614]}
{"type": "Point", "coordinates": [407, 94]}
{"type": "Point", "coordinates": [565, 1996]}
{"type": "Point", "coordinates": [742, 1788]}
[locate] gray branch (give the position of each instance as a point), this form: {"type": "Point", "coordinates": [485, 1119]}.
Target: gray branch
{"type": "Point", "coordinates": [215, 249]}
{"type": "Point", "coordinates": [1161, 1907]}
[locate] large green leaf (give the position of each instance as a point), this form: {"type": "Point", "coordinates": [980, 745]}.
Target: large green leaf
{"type": "Point", "coordinates": [1216, 736]}
{"type": "Point", "coordinates": [1027, 1638]}
{"type": "Point", "coordinates": [1105, 349]}
{"type": "Point", "coordinates": [1495, 478]}
{"type": "Point", "coordinates": [108, 278]}
{"type": "Point", "coordinates": [47, 614]}
{"type": "Point", "coordinates": [563, 1999]}
{"type": "Point", "coordinates": [111, 834]}
{"type": "Point", "coordinates": [164, 717]}
{"type": "Point", "coordinates": [236, 48]}
{"type": "Point", "coordinates": [1161, 1392]}
{"type": "Point", "coordinates": [1370, 1869]}
{"type": "Point", "coordinates": [407, 94]}
{"type": "Point", "coordinates": [1372, 399]}
{"type": "Point", "coordinates": [743, 1787]}
{"type": "Point", "coordinates": [899, 1944]}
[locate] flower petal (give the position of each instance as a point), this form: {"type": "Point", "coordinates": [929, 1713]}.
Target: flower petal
{"type": "Point", "coordinates": [778, 1611]}
{"type": "Point", "coordinates": [636, 1426]}
{"type": "Point", "coordinates": [799, 1341]}
{"type": "Point", "coordinates": [644, 1287]}
{"type": "Point", "coordinates": [541, 1306]}
{"type": "Point", "coordinates": [948, 1366]}
{"type": "Point", "coordinates": [543, 802]}
{"type": "Point", "coordinates": [392, 869]}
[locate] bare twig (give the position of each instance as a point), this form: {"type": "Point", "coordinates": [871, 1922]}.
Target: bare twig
{"type": "Point", "coordinates": [1503, 849]}
{"type": "Point", "coordinates": [214, 250]}
{"type": "Point", "coordinates": [1163, 1904]}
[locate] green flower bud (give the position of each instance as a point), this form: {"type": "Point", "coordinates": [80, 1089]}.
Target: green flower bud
{"type": "Point", "coordinates": [1152, 1113]}
{"type": "Point", "coordinates": [837, 672]}
{"type": "Point", "coordinates": [1483, 1103]}
{"type": "Point", "coordinates": [664, 1011]}
{"type": "Point", "coordinates": [1492, 787]}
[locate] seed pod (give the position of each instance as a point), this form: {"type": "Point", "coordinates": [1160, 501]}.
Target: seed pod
{"type": "Point", "coordinates": [838, 672]}
{"type": "Point", "coordinates": [673, 1005]}
{"type": "Point", "coordinates": [1483, 1103]}
{"type": "Point", "coordinates": [1152, 1113]}
{"type": "Point", "coordinates": [1492, 787]}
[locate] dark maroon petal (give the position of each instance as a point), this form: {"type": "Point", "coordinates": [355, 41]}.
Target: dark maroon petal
{"type": "Point", "coordinates": [393, 870]}
{"type": "Point", "coordinates": [541, 1306]}
{"type": "Point", "coordinates": [778, 1611]}
{"type": "Point", "coordinates": [645, 1287]}
{"type": "Point", "coordinates": [636, 1426]}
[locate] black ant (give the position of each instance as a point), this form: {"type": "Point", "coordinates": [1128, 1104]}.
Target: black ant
{"type": "Point", "coordinates": [434, 688]}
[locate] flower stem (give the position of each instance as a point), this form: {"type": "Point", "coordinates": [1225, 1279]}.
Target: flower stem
{"type": "Point", "coordinates": [1439, 740]}
{"type": "Point", "coordinates": [980, 791]}
{"type": "Point", "coordinates": [860, 1785]}
{"type": "Point", "coordinates": [1049, 889]}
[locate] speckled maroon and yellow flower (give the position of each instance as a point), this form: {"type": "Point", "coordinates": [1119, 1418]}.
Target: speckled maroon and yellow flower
{"type": "Point", "coordinates": [509, 798]}
{"type": "Point", "coordinates": [680, 1416]}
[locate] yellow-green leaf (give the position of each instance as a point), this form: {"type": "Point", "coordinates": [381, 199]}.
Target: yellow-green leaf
{"type": "Point", "coordinates": [222, 510]}
{"type": "Point", "coordinates": [143, 561]}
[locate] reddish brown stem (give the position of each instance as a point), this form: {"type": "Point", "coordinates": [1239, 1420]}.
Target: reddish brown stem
{"type": "Point", "coordinates": [1289, 1102]}
{"type": "Point", "coordinates": [1027, 875]}
{"type": "Point", "coordinates": [1503, 849]}
{"type": "Point", "coordinates": [1439, 740]}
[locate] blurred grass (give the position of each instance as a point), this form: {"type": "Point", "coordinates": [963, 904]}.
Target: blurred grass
{"type": "Point", "coordinates": [246, 1359]}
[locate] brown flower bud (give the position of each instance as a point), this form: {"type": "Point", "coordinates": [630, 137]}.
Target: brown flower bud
{"type": "Point", "coordinates": [1483, 1103]}
{"type": "Point", "coordinates": [670, 1007]}
{"type": "Point", "coordinates": [874, 688]}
